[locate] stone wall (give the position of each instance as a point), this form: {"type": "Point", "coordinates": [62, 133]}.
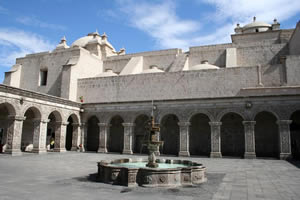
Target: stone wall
{"type": "Point", "coordinates": [172, 85]}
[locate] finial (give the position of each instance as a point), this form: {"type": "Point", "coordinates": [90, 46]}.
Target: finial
{"type": "Point", "coordinates": [63, 39]}
{"type": "Point", "coordinates": [275, 21]}
{"type": "Point", "coordinates": [254, 19]}
{"type": "Point", "coordinates": [238, 25]}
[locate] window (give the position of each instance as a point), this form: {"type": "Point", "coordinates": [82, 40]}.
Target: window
{"type": "Point", "coordinates": [43, 77]}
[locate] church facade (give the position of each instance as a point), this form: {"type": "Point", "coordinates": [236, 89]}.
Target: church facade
{"type": "Point", "coordinates": [238, 99]}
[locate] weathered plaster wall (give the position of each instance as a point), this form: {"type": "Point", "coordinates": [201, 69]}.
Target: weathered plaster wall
{"type": "Point", "coordinates": [173, 85]}
{"type": "Point", "coordinates": [294, 43]}
{"type": "Point", "coordinates": [293, 70]}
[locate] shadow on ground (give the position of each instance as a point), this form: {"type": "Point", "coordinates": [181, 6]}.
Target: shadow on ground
{"type": "Point", "coordinates": [205, 190]}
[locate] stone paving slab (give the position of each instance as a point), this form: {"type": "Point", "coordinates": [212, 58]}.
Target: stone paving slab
{"type": "Point", "coordinates": [71, 175]}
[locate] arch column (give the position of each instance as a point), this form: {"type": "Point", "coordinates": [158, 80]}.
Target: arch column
{"type": "Point", "coordinates": [14, 132]}
{"type": "Point", "coordinates": [184, 138]}
{"type": "Point", "coordinates": [215, 139]}
{"type": "Point", "coordinates": [40, 136]}
{"type": "Point", "coordinates": [128, 137]}
{"type": "Point", "coordinates": [60, 136]}
{"type": "Point", "coordinates": [284, 138]}
{"type": "Point", "coordinates": [249, 139]}
{"type": "Point", "coordinates": [75, 136]}
{"type": "Point", "coordinates": [83, 136]}
{"type": "Point", "coordinates": [103, 133]}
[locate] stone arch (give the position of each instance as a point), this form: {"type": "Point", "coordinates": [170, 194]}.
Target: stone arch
{"type": "Point", "coordinates": [161, 114]}
{"type": "Point", "coordinates": [116, 134]}
{"type": "Point", "coordinates": [262, 109]}
{"type": "Point", "coordinates": [72, 132]}
{"type": "Point", "coordinates": [109, 117]}
{"type": "Point", "coordinates": [295, 134]}
{"type": "Point", "coordinates": [200, 135]}
{"type": "Point", "coordinates": [169, 133]}
{"type": "Point", "coordinates": [203, 112]}
{"type": "Point", "coordinates": [266, 135]}
{"type": "Point", "coordinates": [232, 135]}
{"type": "Point", "coordinates": [10, 109]}
{"type": "Point", "coordinates": [6, 110]}
{"type": "Point", "coordinates": [221, 114]}
{"type": "Point", "coordinates": [74, 116]}
{"type": "Point", "coordinates": [54, 128]}
{"type": "Point", "coordinates": [92, 137]}
{"type": "Point", "coordinates": [29, 130]}
{"type": "Point", "coordinates": [140, 133]}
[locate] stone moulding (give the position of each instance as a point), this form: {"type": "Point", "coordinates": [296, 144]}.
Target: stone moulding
{"type": "Point", "coordinates": [192, 174]}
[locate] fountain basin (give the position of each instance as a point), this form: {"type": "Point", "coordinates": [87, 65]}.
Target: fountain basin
{"type": "Point", "coordinates": [170, 173]}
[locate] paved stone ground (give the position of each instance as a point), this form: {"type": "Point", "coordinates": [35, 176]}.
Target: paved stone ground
{"type": "Point", "coordinates": [71, 176]}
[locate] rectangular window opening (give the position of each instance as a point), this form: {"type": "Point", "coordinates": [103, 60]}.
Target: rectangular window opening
{"type": "Point", "coordinates": [43, 77]}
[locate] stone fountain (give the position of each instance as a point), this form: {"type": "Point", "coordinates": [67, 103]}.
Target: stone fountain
{"type": "Point", "coordinates": [151, 172]}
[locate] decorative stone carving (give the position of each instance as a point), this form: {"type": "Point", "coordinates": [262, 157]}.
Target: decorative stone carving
{"type": "Point", "coordinates": [184, 138]}
{"type": "Point", "coordinates": [14, 132]}
{"type": "Point", "coordinates": [284, 136]}
{"type": "Point", "coordinates": [249, 139]}
{"type": "Point", "coordinates": [103, 129]}
{"type": "Point", "coordinates": [40, 136]}
{"type": "Point", "coordinates": [128, 135]}
{"type": "Point", "coordinates": [60, 136]}
{"type": "Point", "coordinates": [215, 139]}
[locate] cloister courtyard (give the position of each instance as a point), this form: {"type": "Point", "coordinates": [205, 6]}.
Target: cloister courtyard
{"type": "Point", "coordinates": [72, 175]}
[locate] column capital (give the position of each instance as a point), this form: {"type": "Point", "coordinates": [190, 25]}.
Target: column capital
{"type": "Point", "coordinates": [184, 123]}
{"type": "Point", "coordinates": [250, 123]}
{"type": "Point", "coordinates": [16, 117]}
{"type": "Point", "coordinates": [128, 124]}
{"type": "Point", "coordinates": [76, 124]}
{"type": "Point", "coordinates": [60, 123]}
{"type": "Point", "coordinates": [45, 120]}
{"type": "Point", "coordinates": [215, 123]}
{"type": "Point", "coordinates": [284, 122]}
{"type": "Point", "coordinates": [104, 124]}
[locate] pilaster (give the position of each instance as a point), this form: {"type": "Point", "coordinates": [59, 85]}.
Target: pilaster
{"type": "Point", "coordinates": [83, 137]}
{"type": "Point", "coordinates": [60, 136]}
{"type": "Point", "coordinates": [184, 138]}
{"type": "Point", "coordinates": [14, 133]}
{"type": "Point", "coordinates": [40, 136]}
{"type": "Point", "coordinates": [249, 139]}
{"type": "Point", "coordinates": [215, 139]}
{"type": "Point", "coordinates": [128, 135]}
{"type": "Point", "coordinates": [284, 138]}
{"type": "Point", "coordinates": [103, 133]}
{"type": "Point", "coordinates": [75, 136]}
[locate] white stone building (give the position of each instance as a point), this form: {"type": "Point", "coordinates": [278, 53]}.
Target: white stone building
{"type": "Point", "coordinates": [237, 99]}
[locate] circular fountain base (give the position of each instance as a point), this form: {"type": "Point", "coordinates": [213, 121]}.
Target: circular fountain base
{"type": "Point", "coordinates": [170, 173]}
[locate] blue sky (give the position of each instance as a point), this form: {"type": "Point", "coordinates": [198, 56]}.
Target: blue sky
{"type": "Point", "coordinates": [28, 26]}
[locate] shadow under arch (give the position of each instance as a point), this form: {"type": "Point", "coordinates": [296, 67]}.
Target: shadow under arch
{"type": "Point", "coordinates": [116, 135]}
{"type": "Point", "coordinates": [169, 134]}
{"type": "Point", "coordinates": [266, 135]}
{"type": "Point", "coordinates": [295, 134]}
{"type": "Point", "coordinates": [140, 133]}
{"type": "Point", "coordinates": [200, 135]}
{"type": "Point", "coordinates": [232, 135]}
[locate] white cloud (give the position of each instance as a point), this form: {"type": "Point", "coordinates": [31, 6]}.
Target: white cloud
{"type": "Point", "coordinates": [243, 10]}
{"type": "Point", "coordinates": [33, 21]}
{"type": "Point", "coordinates": [160, 22]}
{"type": "Point", "coordinates": [17, 43]}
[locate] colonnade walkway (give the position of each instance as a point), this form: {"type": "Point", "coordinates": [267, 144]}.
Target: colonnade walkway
{"type": "Point", "coordinates": [71, 175]}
